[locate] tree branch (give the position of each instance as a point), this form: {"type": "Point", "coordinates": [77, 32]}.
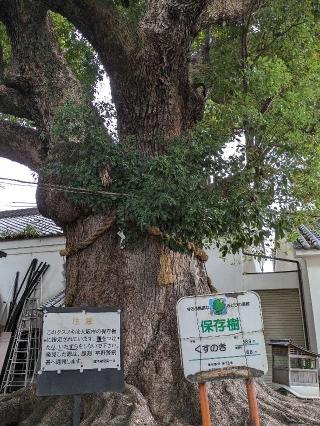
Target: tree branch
{"type": "Point", "coordinates": [167, 17]}
{"type": "Point", "coordinates": [38, 72]}
{"type": "Point", "coordinates": [14, 103]}
{"type": "Point", "coordinates": [225, 10]}
{"type": "Point", "coordinates": [102, 25]}
{"type": "Point", "coordinates": [277, 35]}
{"type": "Point", "coordinates": [21, 144]}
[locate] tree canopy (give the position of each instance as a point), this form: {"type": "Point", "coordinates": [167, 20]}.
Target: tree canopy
{"type": "Point", "coordinates": [248, 168]}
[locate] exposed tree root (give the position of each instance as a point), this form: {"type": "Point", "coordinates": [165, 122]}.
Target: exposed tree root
{"type": "Point", "coordinates": [229, 406]}
{"type": "Point", "coordinates": [25, 408]}
{"type": "Point", "coordinates": [228, 403]}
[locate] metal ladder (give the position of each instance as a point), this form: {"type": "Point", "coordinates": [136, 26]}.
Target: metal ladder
{"type": "Point", "coordinates": [25, 348]}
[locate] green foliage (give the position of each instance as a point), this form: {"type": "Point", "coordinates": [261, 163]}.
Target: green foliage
{"type": "Point", "coordinates": [265, 98]}
{"type": "Point", "coordinates": [249, 169]}
{"type": "Point", "coordinates": [78, 53]}
{"type": "Point", "coordinates": [5, 45]}
{"type": "Point", "coordinates": [171, 191]}
{"type": "Point", "coordinates": [158, 188]}
{"type": "Point", "coordinates": [131, 10]}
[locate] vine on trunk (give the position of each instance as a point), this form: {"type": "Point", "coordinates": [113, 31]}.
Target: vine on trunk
{"type": "Point", "coordinates": [173, 191]}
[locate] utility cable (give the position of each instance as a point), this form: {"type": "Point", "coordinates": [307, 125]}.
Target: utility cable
{"type": "Point", "coordinates": [64, 188]}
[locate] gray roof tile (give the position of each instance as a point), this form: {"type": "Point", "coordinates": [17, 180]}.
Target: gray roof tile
{"type": "Point", "coordinates": [309, 239]}
{"type": "Point", "coordinates": [26, 223]}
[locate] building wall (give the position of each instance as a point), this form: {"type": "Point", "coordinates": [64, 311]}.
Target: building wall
{"type": "Point", "coordinates": [311, 272]}
{"type": "Point", "coordinates": [282, 319]}
{"type": "Point", "coordinates": [227, 273]}
{"type": "Point", "coordinates": [309, 312]}
{"type": "Point", "coordinates": [285, 251]}
{"type": "Point", "coordinates": [232, 274]}
{"type": "Point", "coordinates": [19, 256]}
{"type": "Point", "coordinates": [240, 273]}
{"type": "Point", "coordinates": [271, 280]}
{"type": "Point", "coordinates": [279, 292]}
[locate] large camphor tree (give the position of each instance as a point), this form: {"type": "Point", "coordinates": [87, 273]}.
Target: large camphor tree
{"type": "Point", "coordinates": [188, 78]}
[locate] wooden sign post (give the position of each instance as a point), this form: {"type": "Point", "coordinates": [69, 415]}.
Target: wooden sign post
{"type": "Point", "coordinates": [221, 337]}
{"type": "Point", "coordinates": [204, 404]}
{"type": "Point", "coordinates": [254, 419]}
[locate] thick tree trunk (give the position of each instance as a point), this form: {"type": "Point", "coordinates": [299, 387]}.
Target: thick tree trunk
{"type": "Point", "coordinates": [145, 281]}
{"type": "Point", "coordinates": [154, 100]}
{"type": "Point", "coordinates": [157, 99]}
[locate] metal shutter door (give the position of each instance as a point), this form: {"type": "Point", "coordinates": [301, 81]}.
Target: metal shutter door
{"type": "Point", "coordinates": [282, 319]}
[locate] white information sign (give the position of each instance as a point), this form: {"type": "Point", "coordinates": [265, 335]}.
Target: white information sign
{"type": "Point", "coordinates": [221, 332]}
{"type": "Point", "coordinates": [80, 341]}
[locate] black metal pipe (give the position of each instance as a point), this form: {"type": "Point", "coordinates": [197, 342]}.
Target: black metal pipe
{"type": "Point", "coordinates": [29, 273]}
{"type": "Point", "coordinates": [25, 279]}
{"type": "Point", "coordinates": [33, 281]}
{"type": "Point", "coordinates": [15, 288]}
{"type": "Point", "coordinates": [13, 300]}
{"type": "Point", "coordinates": [302, 298]}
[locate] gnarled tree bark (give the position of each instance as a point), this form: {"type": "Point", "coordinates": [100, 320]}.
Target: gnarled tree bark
{"type": "Point", "coordinates": [21, 144]}
{"type": "Point", "coordinates": [154, 98]}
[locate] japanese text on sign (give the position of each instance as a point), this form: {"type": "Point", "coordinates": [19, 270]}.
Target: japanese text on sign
{"type": "Point", "coordinates": [219, 331]}
{"type": "Point", "coordinates": [80, 340]}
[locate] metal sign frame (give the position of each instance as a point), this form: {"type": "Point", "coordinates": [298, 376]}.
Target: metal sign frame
{"type": "Point", "coordinates": [74, 382]}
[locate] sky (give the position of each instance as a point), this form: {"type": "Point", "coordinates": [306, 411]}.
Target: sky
{"type": "Point", "coordinates": [16, 196]}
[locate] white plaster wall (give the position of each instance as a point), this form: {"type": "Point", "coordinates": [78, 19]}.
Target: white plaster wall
{"type": "Point", "coordinates": [311, 324]}
{"type": "Point", "coordinates": [313, 273]}
{"type": "Point", "coordinates": [19, 256]}
{"type": "Point", "coordinates": [243, 273]}
{"type": "Point", "coordinates": [271, 281]}
{"type": "Point", "coordinates": [225, 273]}
{"type": "Point", "coordinates": [285, 251]}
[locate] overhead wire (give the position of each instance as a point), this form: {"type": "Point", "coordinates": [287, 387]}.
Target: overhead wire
{"type": "Point", "coordinates": [63, 188]}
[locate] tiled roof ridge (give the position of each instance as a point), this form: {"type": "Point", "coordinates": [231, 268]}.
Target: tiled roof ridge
{"type": "Point", "coordinates": [26, 223]}
{"type": "Point", "coordinates": [19, 213]}
{"type": "Point", "coordinates": [309, 239]}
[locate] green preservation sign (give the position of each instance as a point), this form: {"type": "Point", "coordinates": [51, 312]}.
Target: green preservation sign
{"type": "Point", "coordinates": [221, 332]}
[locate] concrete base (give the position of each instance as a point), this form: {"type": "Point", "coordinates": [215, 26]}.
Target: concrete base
{"type": "Point", "coordinates": [304, 392]}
